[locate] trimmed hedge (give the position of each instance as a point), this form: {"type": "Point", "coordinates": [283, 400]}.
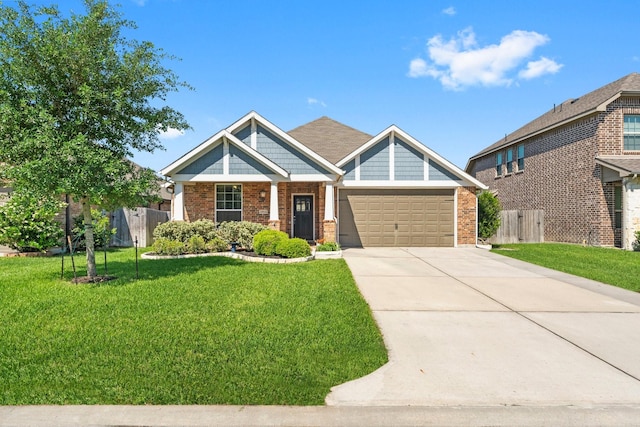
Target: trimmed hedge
{"type": "Point", "coordinates": [266, 241]}
{"type": "Point", "coordinates": [293, 248]}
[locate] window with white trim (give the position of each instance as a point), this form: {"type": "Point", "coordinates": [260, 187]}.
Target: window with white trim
{"type": "Point", "coordinates": [228, 202]}
{"type": "Point", "coordinates": [631, 132]}
{"type": "Point", "coordinates": [509, 160]}
{"type": "Point", "coordinates": [499, 164]}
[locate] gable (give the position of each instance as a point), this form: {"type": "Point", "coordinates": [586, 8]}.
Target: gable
{"type": "Point", "coordinates": [209, 163]}
{"type": "Point", "coordinates": [394, 158]}
{"type": "Point", "coordinates": [284, 155]}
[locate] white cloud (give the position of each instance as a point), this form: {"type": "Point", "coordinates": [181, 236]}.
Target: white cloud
{"type": "Point", "coordinates": [449, 11]}
{"type": "Point", "coordinates": [170, 133]}
{"type": "Point", "coordinates": [314, 101]}
{"type": "Point", "coordinates": [139, 2]}
{"type": "Point", "coordinates": [538, 68]}
{"type": "Point", "coordinates": [460, 62]}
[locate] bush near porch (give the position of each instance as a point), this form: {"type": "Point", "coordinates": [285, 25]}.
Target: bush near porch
{"type": "Point", "coordinates": [178, 237]}
{"type": "Point", "coordinates": [210, 330]}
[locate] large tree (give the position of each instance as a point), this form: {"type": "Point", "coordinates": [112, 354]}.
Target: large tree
{"type": "Point", "coordinates": [77, 98]}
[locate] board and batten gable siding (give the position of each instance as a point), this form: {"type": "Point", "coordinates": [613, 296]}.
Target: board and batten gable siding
{"type": "Point", "coordinates": [438, 173]}
{"type": "Point", "coordinates": [409, 162]}
{"type": "Point", "coordinates": [285, 156]}
{"type": "Point", "coordinates": [240, 163]}
{"type": "Point", "coordinates": [374, 163]}
{"type": "Point", "coordinates": [208, 164]}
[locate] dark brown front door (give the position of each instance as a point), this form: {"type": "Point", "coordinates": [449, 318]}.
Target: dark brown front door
{"type": "Point", "coordinates": [303, 217]}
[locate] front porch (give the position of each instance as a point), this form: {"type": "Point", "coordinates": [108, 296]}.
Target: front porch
{"type": "Point", "coordinates": [300, 209]}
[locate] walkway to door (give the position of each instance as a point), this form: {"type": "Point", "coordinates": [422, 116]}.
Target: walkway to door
{"type": "Point", "coordinates": [465, 327]}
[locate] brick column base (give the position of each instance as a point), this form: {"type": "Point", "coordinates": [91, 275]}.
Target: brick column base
{"type": "Point", "coordinates": [274, 224]}
{"type": "Point", "coordinates": [329, 231]}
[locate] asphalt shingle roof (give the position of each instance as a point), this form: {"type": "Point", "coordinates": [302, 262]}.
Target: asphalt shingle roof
{"type": "Point", "coordinates": [571, 108]}
{"type": "Point", "coordinates": [329, 138]}
{"type": "Point", "coordinates": [629, 164]}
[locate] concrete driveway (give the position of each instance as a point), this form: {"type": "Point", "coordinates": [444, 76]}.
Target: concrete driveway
{"type": "Point", "coordinates": [465, 327]}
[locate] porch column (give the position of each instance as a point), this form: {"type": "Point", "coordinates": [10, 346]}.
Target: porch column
{"type": "Point", "coordinates": [274, 217]}
{"type": "Point", "coordinates": [178, 202]}
{"type": "Point", "coordinates": [328, 202]}
{"type": "Point", "coordinates": [329, 223]}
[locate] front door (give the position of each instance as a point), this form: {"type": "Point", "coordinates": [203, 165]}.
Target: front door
{"type": "Point", "coordinates": [303, 217]}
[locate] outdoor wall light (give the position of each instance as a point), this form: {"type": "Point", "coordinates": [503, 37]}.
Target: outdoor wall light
{"type": "Point", "coordinates": [263, 195]}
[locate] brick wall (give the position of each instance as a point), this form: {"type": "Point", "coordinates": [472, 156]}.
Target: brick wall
{"type": "Point", "coordinates": [466, 216]}
{"type": "Point", "coordinates": [561, 177]}
{"type": "Point", "coordinates": [199, 202]}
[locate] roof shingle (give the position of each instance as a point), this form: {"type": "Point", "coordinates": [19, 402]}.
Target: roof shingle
{"type": "Point", "coordinates": [570, 109]}
{"type": "Point", "coordinates": [329, 138]}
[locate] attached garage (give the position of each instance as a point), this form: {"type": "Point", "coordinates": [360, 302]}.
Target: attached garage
{"type": "Point", "coordinates": [396, 217]}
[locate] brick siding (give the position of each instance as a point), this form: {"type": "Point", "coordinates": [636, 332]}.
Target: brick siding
{"type": "Point", "coordinates": [466, 216]}
{"type": "Point", "coordinates": [199, 203]}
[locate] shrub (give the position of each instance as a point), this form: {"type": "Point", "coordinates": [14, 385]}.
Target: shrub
{"type": "Point", "coordinates": [27, 223]}
{"type": "Point", "coordinates": [293, 248]}
{"type": "Point", "coordinates": [101, 231]}
{"type": "Point", "coordinates": [164, 246]}
{"type": "Point", "coordinates": [240, 231]}
{"type": "Point", "coordinates": [266, 241]}
{"type": "Point", "coordinates": [195, 245]}
{"type": "Point", "coordinates": [328, 247]}
{"type": "Point", "coordinates": [636, 243]}
{"type": "Point", "coordinates": [488, 214]}
{"type": "Point", "coordinates": [205, 228]}
{"type": "Point", "coordinates": [174, 230]}
{"type": "Point", "coordinates": [216, 245]}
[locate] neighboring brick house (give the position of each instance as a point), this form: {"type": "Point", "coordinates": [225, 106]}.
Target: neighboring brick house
{"type": "Point", "coordinates": [579, 162]}
{"type": "Point", "coordinates": [325, 180]}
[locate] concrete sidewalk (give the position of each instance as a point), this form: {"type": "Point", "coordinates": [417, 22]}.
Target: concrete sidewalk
{"type": "Point", "coordinates": [465, 327]}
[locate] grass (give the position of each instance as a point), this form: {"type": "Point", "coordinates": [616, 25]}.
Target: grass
{"type": "Point", "coordinates": [613, 266]}
{"type": "Point", "coordinates": [190, 331]}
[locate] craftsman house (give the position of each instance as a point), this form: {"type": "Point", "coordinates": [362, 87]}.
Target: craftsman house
{"type": "Point", "coordinates": [325, 180]}
{"type": "Point", "coordinates": [579, 162]}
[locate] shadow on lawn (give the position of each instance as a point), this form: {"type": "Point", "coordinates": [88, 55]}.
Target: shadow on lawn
{"type": "Point", "coordinates": [148, 269]}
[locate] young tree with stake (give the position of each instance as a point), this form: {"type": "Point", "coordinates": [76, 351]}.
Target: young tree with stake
{"type": "Point", "coordinates": [76, 99]}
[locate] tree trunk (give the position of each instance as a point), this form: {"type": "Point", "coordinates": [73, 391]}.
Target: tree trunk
{"type": "Point", "coordinates": [89, 239]}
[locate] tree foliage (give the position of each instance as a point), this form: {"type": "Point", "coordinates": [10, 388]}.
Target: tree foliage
{"type": "Point", "coordinates": [488, 214]}
{"type": "Point", "coordinates": [76, 100]}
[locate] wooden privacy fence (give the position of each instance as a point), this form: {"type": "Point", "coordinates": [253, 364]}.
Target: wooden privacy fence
{"type": "Point", "coordinates": [520, 226]}
{"type": "Point", "coordinates": [132, 223]}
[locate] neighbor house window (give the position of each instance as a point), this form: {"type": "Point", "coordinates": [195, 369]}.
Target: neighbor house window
{"type": "Point", "coordinates": [521, 157]}
{"type": "Point", "coordinates": [632, 132]}
{"type": "Point", "coordinates": [228, 202]}
{"type": "Point", "coordinates": [498, 164]}
{"type": "Point", "coordinates": [509, 160]}
{"type": "Point", "coordinates": [617, 206]}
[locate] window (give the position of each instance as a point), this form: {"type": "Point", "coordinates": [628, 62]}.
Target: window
{"type": "Point", "coordinates": [498, 164]}
{"type": "Point", "coordinates": [510, 160]}
{"type": "Point", "coordinates": [632, 132]}
{"type": "Point", "coordinates": [521, 157]}
{"type": "Point", "coordinates": [228, 202]}
{"type": "Point", "coordinates": [617, 206]}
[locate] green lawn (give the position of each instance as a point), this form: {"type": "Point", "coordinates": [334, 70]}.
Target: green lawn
{"type": "Point", "coordinates": [191, 331]}
{"type": "Point", "coordinates": [613, 266]}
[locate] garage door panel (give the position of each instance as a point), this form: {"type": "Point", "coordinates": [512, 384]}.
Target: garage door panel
{"type": "Point", "coordinates": [396, 217]}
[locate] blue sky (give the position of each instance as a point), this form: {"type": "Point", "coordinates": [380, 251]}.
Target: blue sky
{"type": "Point", "coordinates": [456, 75]}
